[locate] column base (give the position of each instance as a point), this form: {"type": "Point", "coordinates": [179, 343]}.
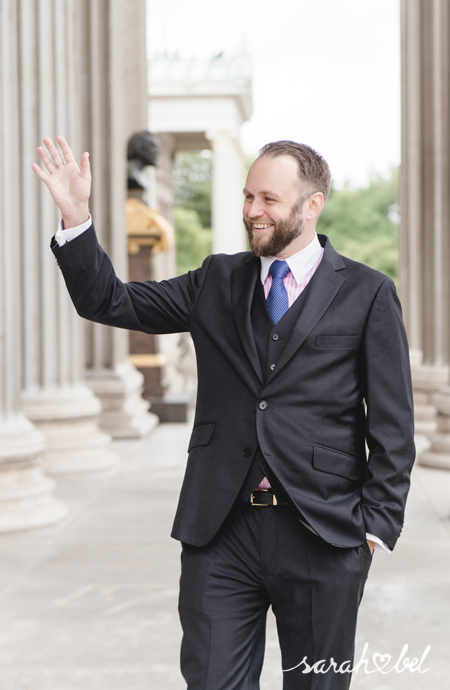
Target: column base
{"type": "Point", "coordinates": [427, 381]}
{"type": "Point", "coordinates": [26, 500]}
{"type": "Point", "coordinates": [438, 455]}
{"type": "Point", "coordinates": [125, 413]}
{"type": "Point", "coordinates": [68, 418]}
{"type": "Point", "coordinates": [439, 461]}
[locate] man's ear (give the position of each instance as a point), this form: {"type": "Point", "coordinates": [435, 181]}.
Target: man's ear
{"type": "Point", "coordinates": [313, 206]}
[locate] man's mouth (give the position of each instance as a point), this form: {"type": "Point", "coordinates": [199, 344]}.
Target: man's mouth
{"type": "Point", "coordinates": [262, 226]}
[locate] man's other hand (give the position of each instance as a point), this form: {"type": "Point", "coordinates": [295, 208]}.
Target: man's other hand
{"type": "Point", "coordinates": [371, 545]}
{"type": "Point", "coordinates": [69, 185]}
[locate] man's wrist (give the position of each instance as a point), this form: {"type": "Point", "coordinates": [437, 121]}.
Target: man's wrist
{"type": "Point", "coordinates": [72, 220]}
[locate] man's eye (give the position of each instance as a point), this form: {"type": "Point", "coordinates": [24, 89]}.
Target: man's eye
{"type": "Point", "coordinates": [268, 198]}
{"type": "Point", "coordinates": [248, 197]}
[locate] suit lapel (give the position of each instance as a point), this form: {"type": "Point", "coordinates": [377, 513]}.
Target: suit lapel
{"type": "Point", "coordinates": [325, 285]}
{"type": "Point", "coordinates": [242, 290]}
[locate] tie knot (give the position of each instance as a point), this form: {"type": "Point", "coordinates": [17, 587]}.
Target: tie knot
{"type": "Point", "coordinates": [279, 269]}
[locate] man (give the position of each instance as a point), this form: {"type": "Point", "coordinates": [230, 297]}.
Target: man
{"type": "Point", "coordinates": [302, 359]}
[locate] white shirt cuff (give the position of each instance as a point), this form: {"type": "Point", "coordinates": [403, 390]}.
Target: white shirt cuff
{"type": "Point", "coordinates": [378, 544]}
{"type": "Point", "coordinates": [62, 236]}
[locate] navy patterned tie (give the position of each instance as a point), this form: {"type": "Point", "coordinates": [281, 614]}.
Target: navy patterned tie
{"type": "Point", "coordinates": [277, 299]}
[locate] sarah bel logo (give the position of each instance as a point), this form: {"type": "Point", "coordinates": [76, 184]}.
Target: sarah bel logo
{"type": "Point", "coordinates": [378, 663]}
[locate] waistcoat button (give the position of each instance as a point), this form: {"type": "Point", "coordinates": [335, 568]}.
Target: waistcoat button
{"type": "Point", "coordinates": [275, 336]}
{"type": "Point", "coordinates": [247, 452]}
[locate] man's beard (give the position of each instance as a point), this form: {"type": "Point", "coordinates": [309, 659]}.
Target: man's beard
{"type": "Point", "coordinates": [284, 232]}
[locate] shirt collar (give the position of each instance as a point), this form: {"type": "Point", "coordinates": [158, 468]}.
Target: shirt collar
{"type": "Point", "coordinates": [300, 263]}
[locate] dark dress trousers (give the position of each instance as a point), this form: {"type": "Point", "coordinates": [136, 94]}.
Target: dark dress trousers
{"type": "Point", "coordinates": [297, 402]}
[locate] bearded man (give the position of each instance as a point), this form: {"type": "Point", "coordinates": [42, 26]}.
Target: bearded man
{"type": "Point", "coordinates": [302, 361]}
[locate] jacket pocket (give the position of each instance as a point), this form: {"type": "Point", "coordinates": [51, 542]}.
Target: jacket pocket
{"type": "Point", "coordinates": [336, 462]}
{"type": "Point", "coordinates": [201, 434]}
{"type": "Point", "coordinates": [343, 341]}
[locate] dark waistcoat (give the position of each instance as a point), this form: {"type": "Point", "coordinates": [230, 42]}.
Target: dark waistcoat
{"type": "Point", "coordinates": [270, 340]}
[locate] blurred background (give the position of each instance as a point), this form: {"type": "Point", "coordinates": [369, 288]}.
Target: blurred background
{"type": "Point", "coordinates": [322, 73]}
{"type": "Point", "coordinates": [173, 100]}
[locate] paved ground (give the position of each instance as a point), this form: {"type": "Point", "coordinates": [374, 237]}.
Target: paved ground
{"type": "Point", "coordinates": [92, 603]}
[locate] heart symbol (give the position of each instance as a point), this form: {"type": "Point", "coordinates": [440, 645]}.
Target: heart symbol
{"type": "Point", "coordinates": [384, 659]}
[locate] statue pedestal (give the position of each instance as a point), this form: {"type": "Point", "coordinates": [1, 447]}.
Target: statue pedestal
{"type": "Point", "coordinates": [148, 233]}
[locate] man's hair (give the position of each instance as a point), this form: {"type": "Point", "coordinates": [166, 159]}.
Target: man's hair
{"type": "Point", "coordinates": [314, 172]}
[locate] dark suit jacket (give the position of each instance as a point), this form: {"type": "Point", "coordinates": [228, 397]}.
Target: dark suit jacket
{"type": "Point", "coordinates": [348, 347]}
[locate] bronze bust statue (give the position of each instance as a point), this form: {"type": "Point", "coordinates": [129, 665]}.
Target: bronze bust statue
{"type": "Point", "coordinates": [142, 150]}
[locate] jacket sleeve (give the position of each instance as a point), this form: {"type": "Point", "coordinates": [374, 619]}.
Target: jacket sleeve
{"type": "Point", "coordinates": [390, 417]}
{"type": "Point", "coordinates": [98, 295]}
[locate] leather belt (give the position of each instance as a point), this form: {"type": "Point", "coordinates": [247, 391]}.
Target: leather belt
{"type": "Point", "coordinates": [265, 497]}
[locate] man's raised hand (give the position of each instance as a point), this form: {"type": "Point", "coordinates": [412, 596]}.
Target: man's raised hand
{"type": "Point", "coordinates": [69, 185]}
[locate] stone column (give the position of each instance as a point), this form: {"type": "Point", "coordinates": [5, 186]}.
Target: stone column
{"type": "Point", "coordinates": [25, 493]}
{"type": "Point", "coordinates": [437, 21]}
{"type": "Point", "coordinates": [112, 44]}
{"type": "Point", "coordinates": [426, 28]}
{"type": "Point", "coordinates": [55, 395]}
{"type": "Point", "coordinates": [424, 199]}
{"type": "Point", "coordinates": [227, 197]}
{"type": "Point", "coordinates": [411, 209]}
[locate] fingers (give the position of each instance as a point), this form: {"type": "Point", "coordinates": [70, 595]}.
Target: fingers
{"type": "Point", "coordinates": [40, 173]}
{"type": "Point", "coordinates": [85, 167]}
{"type": "Point", "coordinates": [45, 159]}
{"type": "Point", "coordinates": [54, 162]}
{"type": "Point", "coordinates": [54, 153]}
{"type": "Point", "coordinates": [65, 148]}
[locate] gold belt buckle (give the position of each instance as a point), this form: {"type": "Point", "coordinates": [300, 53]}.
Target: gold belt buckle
{"type": "Point", "coordinates": [274, 501]}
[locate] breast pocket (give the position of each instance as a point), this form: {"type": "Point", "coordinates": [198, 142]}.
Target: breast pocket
{"type": "Point", "coordinates": [346, 342]}
{"type": "Point", "coordinates": [201, 434]}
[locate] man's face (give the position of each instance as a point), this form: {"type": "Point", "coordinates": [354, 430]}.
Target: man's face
{"type": "Point", "coordinates": [273, 204]}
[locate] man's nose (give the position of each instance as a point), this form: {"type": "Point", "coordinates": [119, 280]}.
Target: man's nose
{"type": "Point", "coordinates": [256, 209]}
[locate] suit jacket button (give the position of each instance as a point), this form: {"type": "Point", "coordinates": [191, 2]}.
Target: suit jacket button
{"type": "Point", "coordinates": [263, 405]}
{"type": "Point", "coordinates": [272, 367]}
{"type": "Point", "coordinates": [275, 336]}
{"type": "Point", "coordinates": [247, 452]}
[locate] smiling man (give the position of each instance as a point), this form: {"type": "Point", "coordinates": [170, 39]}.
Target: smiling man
{"type": "Point", "coordinates": [273, 209]}
{"type": "Point", "coordinates": [302, 361]}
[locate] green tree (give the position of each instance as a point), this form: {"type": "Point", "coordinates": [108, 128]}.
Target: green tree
{"type": "Point", "coordinates": [193, 240]}
{"type": "Point", "coordinates": [362, 223]}
{"type": "Point", "coordinates": [193, 174]}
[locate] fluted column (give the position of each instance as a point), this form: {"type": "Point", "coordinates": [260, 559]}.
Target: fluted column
{"type": "Point", "coordinates": [424, 199]}
{"type": "Point", "coordinates": [426, 27]}
{"type": "Point", "coordinates": [25, 493]}
{"type": "Point", "coordinates": [55, 395]}
{"type": "Point", "coordinates": [112, 53]}
{"type": "Point", "coordinates": [439, 24]}
{"type": "Point", "coordinates": [227, 197]}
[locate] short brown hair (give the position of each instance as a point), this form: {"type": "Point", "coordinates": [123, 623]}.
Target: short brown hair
{"type": "Point", "coordinates": [312, 168]}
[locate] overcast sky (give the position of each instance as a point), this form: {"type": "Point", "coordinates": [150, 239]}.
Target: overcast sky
{"type": "Point", "coordinates": [325, 72]}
